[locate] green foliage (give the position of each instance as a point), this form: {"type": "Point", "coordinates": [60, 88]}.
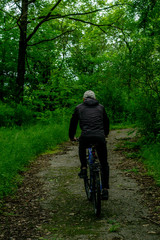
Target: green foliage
{"type": "Point", "coordinates": [6, 115]}
{"type": "Point", "coordinates": [18, 115]}
{"type": "Point", "coordinates": [114, 228]}
{"type": "Point", "coordinates": [22, 115]}
{"type": "Point", "coordinates": [115, 102]}
{"type": "Point", "coordinates": [148, 116]}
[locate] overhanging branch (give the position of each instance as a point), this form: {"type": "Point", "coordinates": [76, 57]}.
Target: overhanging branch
{"type": "Point", "coordinates": [44, 20]}
{"type": "Point", "coordinates": [78, 14]}
{"type": "Point", "coordinates": [12, 16]}
{"type": "Point", "coordinates": [49, 17]}
{"type": "Point", "coordinates": [51, 39]}
{"type": "Point", "coordinates": [90, 23]}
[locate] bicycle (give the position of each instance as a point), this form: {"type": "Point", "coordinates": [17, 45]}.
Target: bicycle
{"type": "Point", "coordinates": [92, 181]}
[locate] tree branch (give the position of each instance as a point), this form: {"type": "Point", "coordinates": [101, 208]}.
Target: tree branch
{"type": "Point", "coordinates": [78, 14]}
{"type": "Point", "coordinates": [16, 3]}
{"type": "Point", "coordinates": [12, 16]}
{"type": "Point", "coordinates": [94, 24]}
{"type": "Point", "coordinates": [49, 16]}
{"type": "Point", "coordinates": [31, 1]}
{"type": "Point", "coordinates": [44, 20]}
{"type": "Point", "coordinates": [52, 39]}
{"type": "Point", "coordinates": [94, 11]}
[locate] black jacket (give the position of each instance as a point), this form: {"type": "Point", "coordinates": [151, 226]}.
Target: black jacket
{"type": "Point", "coordinates": [93, 119]}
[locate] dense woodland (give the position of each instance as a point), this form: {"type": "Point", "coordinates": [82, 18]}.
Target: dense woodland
{"type": "Point", "coordinates": [51, 51]}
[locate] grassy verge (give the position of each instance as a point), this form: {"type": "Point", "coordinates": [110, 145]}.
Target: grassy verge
{"type": "Point", "coordinates": [151, 159]}
{"type": "Point", "coordinates": [18, 147]}
{"type": "Point", "coordinates": [123, 125]}
{"type": "Point", "coordinates": [148, 154]}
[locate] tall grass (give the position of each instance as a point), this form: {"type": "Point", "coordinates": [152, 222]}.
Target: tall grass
{"type": "Point", "coordinates": [151, 155]}
{"type": "Point", "coordinates": [20, 145]}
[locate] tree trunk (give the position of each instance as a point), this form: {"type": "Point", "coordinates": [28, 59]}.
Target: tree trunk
{"type": "Point", "coordinates": [2, 70]}
{"type": "Point", "coordinates": [22, 53]}
{"type": "Point", "coordinates": [2, 76]}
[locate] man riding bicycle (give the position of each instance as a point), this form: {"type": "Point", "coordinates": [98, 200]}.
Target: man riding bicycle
{"type": "Point", "coordinates": [94, 124]}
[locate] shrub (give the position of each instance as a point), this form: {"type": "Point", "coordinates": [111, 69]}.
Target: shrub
{"type": "Point", "coordinates": [148, 116]}
{"type": "Point", "coordinates": [22, 115]}
{"type": "Point", "coordinates": [6, 115]}
{"type": "Point", "coordinates": [17, 115]}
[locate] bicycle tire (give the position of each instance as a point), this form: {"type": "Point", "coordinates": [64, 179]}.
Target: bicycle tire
{"type": "Point", "coordinates": [96, 194]}
{"type": "Point", "coordinates": [87, 185]}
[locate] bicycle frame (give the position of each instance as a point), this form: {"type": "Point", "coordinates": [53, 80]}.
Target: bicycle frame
{"type": "Point", "coordinates": [93, 165]}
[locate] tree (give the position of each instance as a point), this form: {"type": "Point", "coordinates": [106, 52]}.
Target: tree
{"type": "Point", "coordinates": [29, 25]}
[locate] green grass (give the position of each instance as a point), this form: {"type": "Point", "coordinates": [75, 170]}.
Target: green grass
{"type": "Point", "coordinates": [123, 125]}
{"type": "Point", "coordinates": [19, 146]}
{"type": "Point", "coordinates": [134, 170]}
{"type": "Point", "coordinates": [151, 158]}
{"type": "Point", "coordinates": [114, 228]}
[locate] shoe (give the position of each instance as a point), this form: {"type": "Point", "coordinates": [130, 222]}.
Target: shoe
{"type": "Point", "coordinates": [82, 173]}
{"type": "Point", "coordinates": [104, 194]}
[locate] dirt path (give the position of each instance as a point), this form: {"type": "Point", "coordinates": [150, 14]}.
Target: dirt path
{"type": "Point", "coordinates": [51, 204]}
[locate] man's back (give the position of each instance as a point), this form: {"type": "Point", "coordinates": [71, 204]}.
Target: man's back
{"type": "Point", "coordinates": [91, 114]}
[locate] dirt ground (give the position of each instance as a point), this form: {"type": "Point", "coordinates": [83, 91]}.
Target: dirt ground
{"type": "Point", "coordinates": [51, 203]}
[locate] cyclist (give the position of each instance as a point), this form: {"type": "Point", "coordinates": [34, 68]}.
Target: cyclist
{"type": "Point", "coordinates": [94, 124]}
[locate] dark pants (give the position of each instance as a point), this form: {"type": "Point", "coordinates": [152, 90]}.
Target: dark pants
{"type": "Point", "coordinates": [101, 148]}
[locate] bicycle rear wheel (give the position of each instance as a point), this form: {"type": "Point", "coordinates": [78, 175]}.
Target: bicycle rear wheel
{"type": "Point", "coordinates": [87, 185]}
{"type": "Point", "coordinates": [96, 194]}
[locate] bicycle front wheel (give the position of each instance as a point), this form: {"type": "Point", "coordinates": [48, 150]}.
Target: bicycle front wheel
{"type": "Point", "coordinates": [96, 194]}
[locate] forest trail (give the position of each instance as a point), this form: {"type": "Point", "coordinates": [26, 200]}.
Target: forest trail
{"type": "Point", "coordinates": [51, 204]}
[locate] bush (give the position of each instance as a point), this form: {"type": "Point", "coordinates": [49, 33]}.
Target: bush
{"type": "Point", "coordinates": [22, 115]}
{"type": "Point", "coordinates": [17, 115]}
{"type": "Point", "coordinates": [6, 115]}
{"type": "Point", "coordinates": [148, 116]}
